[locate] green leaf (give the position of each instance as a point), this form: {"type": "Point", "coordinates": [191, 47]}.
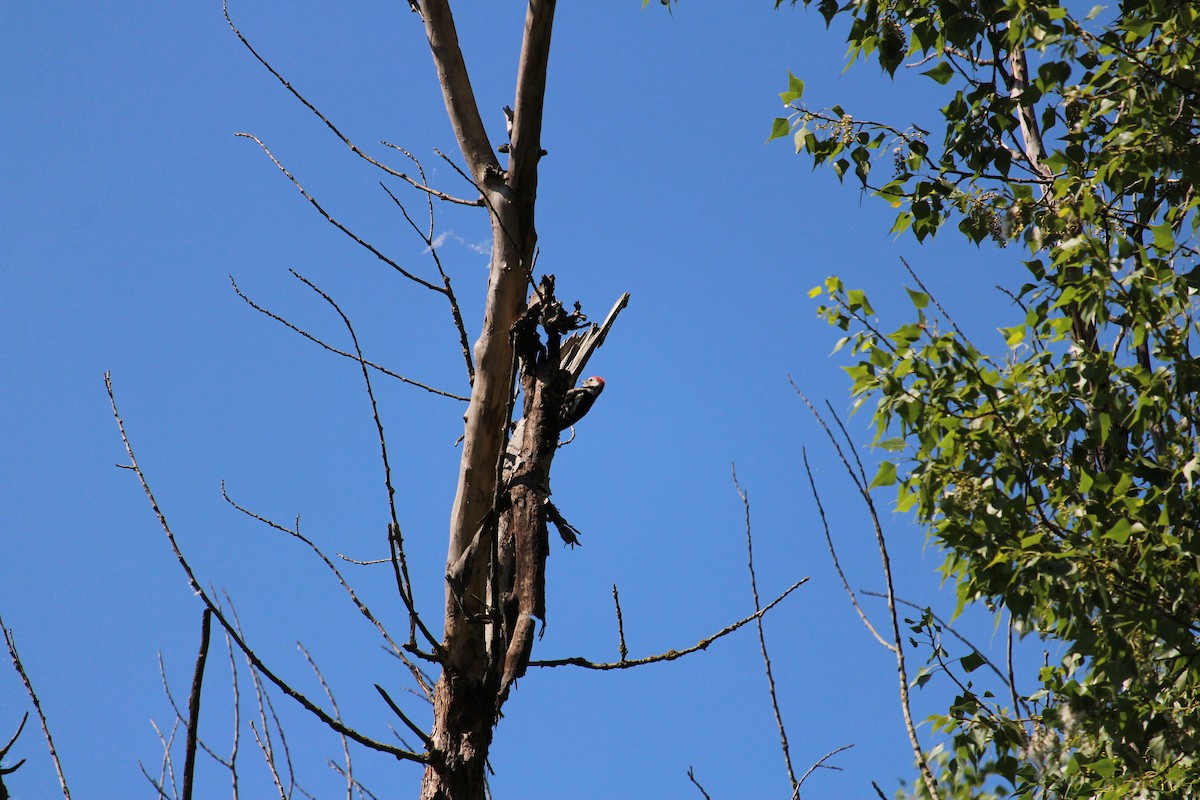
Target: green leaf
{"type": "Point", "coordinates": [794, 91]}
{"type": "Point", "coordinates": [857, 299]}
{"type": "Point", "coordinates": [780, 127]}
{"type": "Point", "coordinates": [1164, 237]}
{"type": "Point", "coordinates": [972, 661]}
{"type": "Point", "coordinates": [1013, 336]}
{"type": "Point", "coordinates": [1120, 532]}
{"type": "Point", "coordinates": [942, 73]}
{"type": "Point", "coordinates": [919, 299]}
{"type": "Point", "coordinates": [886, 476]}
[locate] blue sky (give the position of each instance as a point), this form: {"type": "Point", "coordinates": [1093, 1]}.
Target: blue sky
{"type": "Point", "coordinates": [129, 203]}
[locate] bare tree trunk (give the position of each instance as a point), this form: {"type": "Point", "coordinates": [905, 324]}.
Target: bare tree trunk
{"type": "Point", "coordinates": [468, 695]}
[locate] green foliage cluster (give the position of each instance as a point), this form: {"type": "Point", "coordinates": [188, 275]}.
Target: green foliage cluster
{"type": "Point", "coordinates": [1057, 468]}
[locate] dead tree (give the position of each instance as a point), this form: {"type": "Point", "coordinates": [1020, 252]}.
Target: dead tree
{"type": "Point", "coordinates": [530, 349]}
{"type": "Point", "coordinates": [467, 696]}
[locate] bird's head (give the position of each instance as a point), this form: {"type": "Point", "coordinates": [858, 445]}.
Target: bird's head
{"type": "Point", "coordinates": [595, 382]}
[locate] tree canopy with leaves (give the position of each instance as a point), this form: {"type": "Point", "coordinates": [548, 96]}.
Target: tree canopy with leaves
{"type": "Point", "coordinates": [1055, 466]}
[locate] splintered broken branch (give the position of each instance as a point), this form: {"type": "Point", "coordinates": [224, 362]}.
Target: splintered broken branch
{"type": "Point", "coordinates": [578, 347]}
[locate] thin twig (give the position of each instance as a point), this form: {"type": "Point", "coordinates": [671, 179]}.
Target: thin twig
{"type": "Point", "coordinates": [412, 726]}
{"type": "Point", "coordinates": [237, 714]}
{"type": "Point", "coordinates": [933, 299]}
{"type": "Point", "coordinates": [670, 655]}
{"type": "Point", "coordinates": [157, 786]}
{"type": "Point", "coordinates": [372, 562]}
{"type": "Point", "coordinates": [179, 717]}
{"type": "Point", "coordinates": [339, 352]}
{"type": "Point", "coordinates": [4, 750]}
{"type": "Point", "coordinates": [353, 148]}
{"type": "Point", "coordinates": [621, 648]}
{"type": "Point", "coordinates": [251, 656]}
{"type": "Point", "coordinates": [497, 219]}
{"type": "Point", "coordinates": [337, 714]}
{"type": "Point", "coordinates": [945, 626]}
{"type": "Point", "coordinates": [1012, 681]}
{"type": "Point", "coordinates": [696, 783]}
{"type": "Point", "coordinates": [168, 764]}
{"type": "Point", "coordinates": [820, 764]}
{"type": "Point", "coordinates": [329, 218]}
{"type": "Point", "coordinates": [427, 236]}
{"type": "Point", "coordinates": [897, 645]}
{"type": "Point", "coordinates": [361, 606]}
{"type": "Point", "coordinates": [362, 790]}
{"type": "Point", "coordinates": [265, 704]}
{"type": "Point", "coordinates": [762, 639]}
{"type": "Point", "coordinates": [406, 589]}
{"type": "Point", "coordinates": [11, 644]}
{"type": "Point", "coordinates": [837, 565]}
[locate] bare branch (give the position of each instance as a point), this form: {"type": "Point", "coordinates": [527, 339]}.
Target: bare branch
{"type": "Point", "coordinates": [368, 563]}
{"type": "Point", "coordinates": [156, 784]}
{"type": "Point", "coordinates": [337, 713]}
{"type": "Point", "coordinates": [361, 606]}
{"type": "Point", "coordinates": [346, 141]}
{"type": "Point", "coordinates": [1008, 681]}
{"type": "Point", "coordinates": [427, 237]}
{"type": "Point", "coordinates": [670, 655]}
{"type": "Point", "coordinates": [263, 740]}
{"type": "Point", "coordinates": [897, 643]}
{"type": "Point", "coordinates": [11, 644]}
{"type": "Point", "coordinates": [621, 648]}
{"type": "Point", "coordinates": [237, 715]}
{"type": "Point", "coordinates": [193, 723]}
{"type": "Point", "coordinates": [1012, 680]}
{"type": "Point", "coordinates": [179, 718]}
{"type": "Point", "coordinates": [336, 351]}
{"type": "Point", "coordinates": [762, 639]}
{"type": "Point", "coordinates": [820, 764]}
{"type": "Point", "coordinates": [412, 726]}
{"type": "Point", "coordinates": [526, 138]}
{"type": "Point", "coordinates": [251, 656]}
{"type": "Point", "coordinates": [355, 782]}
{"type": "Point", "coordinates": [456, 89]}
{"type": "Point", "coordinates": [696, 783]}
{"type": "Point", "coordinates": [933, 299]}
{"type": "Point", "coordinates": [406, 585]}
{"type": "Point", "coordinates": [4, 752]}
{"type": "Point", "coordinates": [328, 218]}
{"type": "Point", "coordinates": [837, 565]}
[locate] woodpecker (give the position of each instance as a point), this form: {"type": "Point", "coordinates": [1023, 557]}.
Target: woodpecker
{"type": "Point", "coordinates": [579, 401]}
